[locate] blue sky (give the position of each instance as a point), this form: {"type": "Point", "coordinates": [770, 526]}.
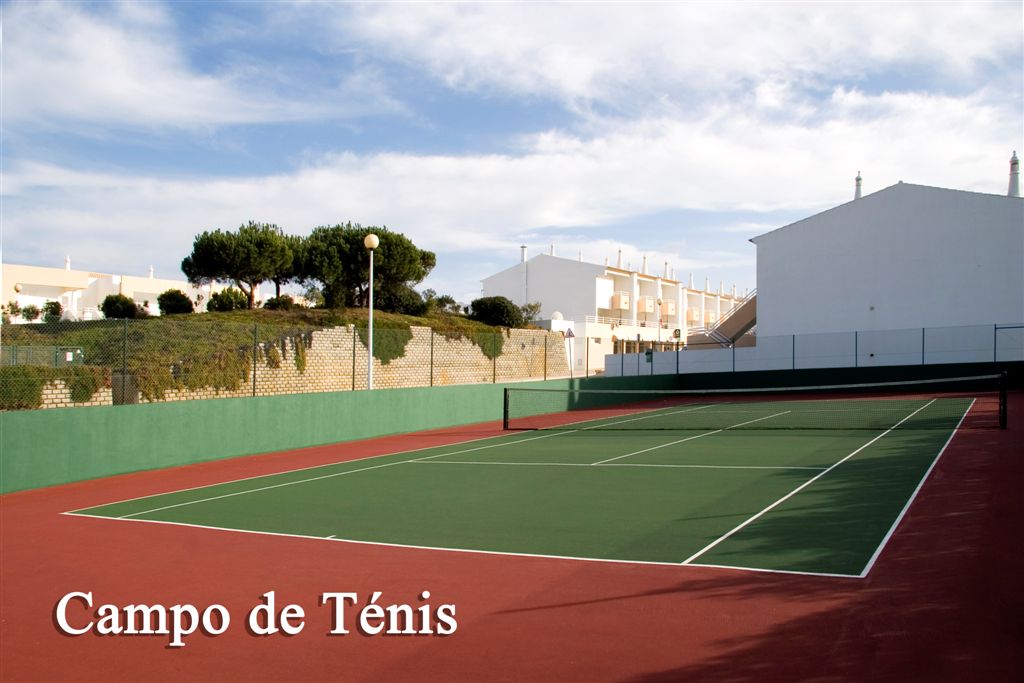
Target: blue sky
{"type": "Point", "coordinates": [672, 130]}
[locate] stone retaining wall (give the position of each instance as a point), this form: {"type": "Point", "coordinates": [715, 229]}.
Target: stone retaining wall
{"type": "Point", "coordinates": [335, 360]}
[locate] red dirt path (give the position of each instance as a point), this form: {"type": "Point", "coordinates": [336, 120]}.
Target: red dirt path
{"type": "Point", "coordinates": [943, 603]}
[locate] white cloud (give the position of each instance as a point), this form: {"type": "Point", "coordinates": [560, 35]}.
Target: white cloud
{"type": "Point", "coordinates": [123, 65]}
{"type": "Point", "coordinates": [615, 53]}
{"type": "Point", "coordinates": [730, 160]}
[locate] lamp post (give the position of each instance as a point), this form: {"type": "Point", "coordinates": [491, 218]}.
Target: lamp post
{"type": "Point", "coordinates": [371, 242]}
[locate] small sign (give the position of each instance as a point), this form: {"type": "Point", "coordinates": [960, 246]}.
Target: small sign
{"type": "Point", "coordinates": [677, 333]}
{"type": "Point", "coordinates": [649, 353]}
{"type": "Point", "coordinates": [569, 334]}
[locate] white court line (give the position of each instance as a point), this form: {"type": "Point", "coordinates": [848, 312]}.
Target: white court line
{"type": "Point", "coordinates": [801, 487]}
{"type": "Point", "coordinates": [340, 474]}
{"type": "Point", "coordinates": [473, 551]}
{"type": "Point", "coordinates": [291, 471]}
{"type": "Point", "coordinates": [614, 464]}
{"type": "Point", "coordinates": [384, 455]}
{"type": "Point", "coordinates": [903, 512]}
{"type": "Point", "coordinates": [689, 438]}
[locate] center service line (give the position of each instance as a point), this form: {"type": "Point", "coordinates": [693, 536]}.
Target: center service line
{"type": "Point", "coordinates": [689, 438]}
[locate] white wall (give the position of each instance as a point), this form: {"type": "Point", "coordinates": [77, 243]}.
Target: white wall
{"type": "Point", "coordinates": [908, 256]}
{"type": "Point", "coordinates": [921, 346]}
{"type": "Point", "coordinates": [559, 284]}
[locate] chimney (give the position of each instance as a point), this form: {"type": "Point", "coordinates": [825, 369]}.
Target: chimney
{"type": "Point", "coordinates": [1014, 190]}
{"type": "Point", "coordinates": [522, 253]}
{"type": "Point", "coordinates": [552, 248]}
{"type": "Point", "coordinates": [605, 261]}
{"type": "Point", "coordinates": [67, 263]}
{"type": "Point", "coordinates": [618, 263]}
{"type": "Point", "coordinates": [151, 272]}
{"type": "Point", "coordinates": [707, 284]}
{"type": "Point", "coordinates": [690, 286]}
{"type": "Point", "coordinates": [581, 256]}
{"type": "Point", "coordinates": [856, 192]}
{"type": "Point", "coordinates": [666, 270]}
{"type": "Point", "coordinates": [643, 267]}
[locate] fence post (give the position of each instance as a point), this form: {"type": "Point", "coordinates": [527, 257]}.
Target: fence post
{"type": "Point", "coordinates": [545, 357]}
{"type": "Point", "coordinates": [922, 346]}
{"type": "Point", "coordinates": [995, 343]}
{"type": "Point", "coordinates": [856, 351]}
{"type": "Point", "coordinates": [494, 361]}
{"type": "Point", "coordinates": [794, 353]}
{"type": "Point", "coordinates": [734, 357]}
{"type": "Point", "coordinates": [586, 356]}
{"type": "Point", "coordinates": [255, 346]}
{"type": "Point", "coordinates": [431, 357]}
{"type": "Point", "coordinates": [677, 357]}
{"type": "Point", "coordinates": [353, 358]}
{"type": "Point", "coordinates": [124, 359]}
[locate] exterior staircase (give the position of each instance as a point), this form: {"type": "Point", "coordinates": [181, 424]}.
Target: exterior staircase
{"type": "Point", "coordinates": [730, 328]}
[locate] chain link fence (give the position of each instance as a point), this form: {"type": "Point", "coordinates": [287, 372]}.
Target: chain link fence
{"type": "Point", "coordinates": [114, 362]}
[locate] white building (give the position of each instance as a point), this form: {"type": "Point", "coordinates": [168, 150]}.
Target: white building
{"type": "Point", "coordinates": [908, 256]}
{"type": "Point", "coordinates": [80, 292]}
{"type": "Point", "coordinates": [611, 309]}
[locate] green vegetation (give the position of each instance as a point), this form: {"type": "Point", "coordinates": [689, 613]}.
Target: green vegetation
{"type": "Point", "coordinates": [334, 257]}
{"type": "Point", "coordinates": [173, 302]}
{"type": "Point", "coordinates": [23, 384]}
{"type": "Point", "coordinates": [229, 299]}
{"type": "Point", "coordinates": [52, 311]}
{"type": "Point", "coordinates": [209, 350]}
{"type": "Point", "coordinates": [255, 253]}
{"type": "Point", "coordinates": [120, 306]}
{"type": "Point", "coordinates": [496, 310]}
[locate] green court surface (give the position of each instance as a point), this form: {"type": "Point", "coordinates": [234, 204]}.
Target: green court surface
{"type": "Point", "coordinates": [794, 486]}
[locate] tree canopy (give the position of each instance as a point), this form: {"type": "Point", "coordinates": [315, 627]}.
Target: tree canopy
{"type": "Point", "coordinates": [255, 253]}
{"type": "Point", "coordinates": [496, 310]}
{"type": "Point", "coordinates": [335, 257]}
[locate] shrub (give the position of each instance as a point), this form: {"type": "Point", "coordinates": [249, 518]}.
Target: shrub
{"type": "Point", "coordinates": [229, 299]}
{"type": "Point", "coordinates": [52, 311]}
{"type": "Point", "coordinates": [118, 306]}
{"type": "Point", "coordinates": [279, 303]}
{"type": "Point", "coordinates": [30, 312]}
{"type": "Point", "coordinates": [402, 299]}
{"type": "Point", "coordinates": [174, 301]}
{"type": "Point", "coordinates": [497, 311]}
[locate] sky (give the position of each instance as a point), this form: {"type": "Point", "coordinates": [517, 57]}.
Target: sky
{"type": "Point", "coordinates": [672, 130]}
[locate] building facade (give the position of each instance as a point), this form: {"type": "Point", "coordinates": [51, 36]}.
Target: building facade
{"type": "Point", "coordinates": [905, 257]}
{"type": "Point", "coordinates": [611, 309]}
{"type": "Point", "coordinates": [80, 292]}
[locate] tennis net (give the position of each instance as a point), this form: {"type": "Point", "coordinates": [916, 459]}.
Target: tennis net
{"type": "Point", "coordinates": [918, 404]}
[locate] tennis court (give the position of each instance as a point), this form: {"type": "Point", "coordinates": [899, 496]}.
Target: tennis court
{"type": "Point", "coordinates": [808, 482]}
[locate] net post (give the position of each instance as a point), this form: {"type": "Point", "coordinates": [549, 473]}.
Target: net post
{"type": "Point", "coordinates": [1003, 418]}
{"type": "Point", "coordinates": [504, 410]}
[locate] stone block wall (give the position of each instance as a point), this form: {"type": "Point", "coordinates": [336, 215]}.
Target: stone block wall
{"type": "Point", "coordinates": [335, 360]}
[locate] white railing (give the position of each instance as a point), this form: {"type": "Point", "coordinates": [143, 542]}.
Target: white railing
{"type": "Point", "coordinates": [626, 322]}
{"type": "Point", "coordinates": [725, 316]}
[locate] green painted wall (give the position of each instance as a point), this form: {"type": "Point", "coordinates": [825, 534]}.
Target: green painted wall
{"type": "Point", "coordinates": [47, 447]}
